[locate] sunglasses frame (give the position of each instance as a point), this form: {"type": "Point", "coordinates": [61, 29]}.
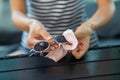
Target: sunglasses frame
{"type": "Point", "coordinates": [57, 39]}
{"type": "Point", "coordinates": [44, 49]}
{"type": "Point", "coordinates": [35, 52]}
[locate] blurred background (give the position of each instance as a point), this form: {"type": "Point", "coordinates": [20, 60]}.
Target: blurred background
{"type": "Point", "coordinates": [10, 35]}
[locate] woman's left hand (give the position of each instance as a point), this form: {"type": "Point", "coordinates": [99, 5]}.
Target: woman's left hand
{"type": "Point", "coordinates": [83, 34]}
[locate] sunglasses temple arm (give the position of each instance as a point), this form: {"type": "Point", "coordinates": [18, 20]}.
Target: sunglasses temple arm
{"type": "Point", "coordinates": [33, 52]}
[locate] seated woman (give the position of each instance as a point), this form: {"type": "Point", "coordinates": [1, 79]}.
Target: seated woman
{"type": "Point", "coordinates": [43, 19]}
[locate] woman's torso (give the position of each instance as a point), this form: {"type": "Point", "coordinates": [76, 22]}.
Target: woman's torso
{"type": "Point", "coordinates": [56, 15]}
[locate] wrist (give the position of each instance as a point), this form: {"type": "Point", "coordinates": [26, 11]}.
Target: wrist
{"type": "Point", "coordinates": [30, 21]}
{"type": "Point", "coordinates": [84, 29]}
{"type": "Point", "coordinates": [89, 27]}
{"type": "Point", "coordinates": [92, 26]}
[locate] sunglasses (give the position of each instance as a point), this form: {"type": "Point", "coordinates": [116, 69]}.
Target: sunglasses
{"type": "Point", "coordinates": [43, 46]}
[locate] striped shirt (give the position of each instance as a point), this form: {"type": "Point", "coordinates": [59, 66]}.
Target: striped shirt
{"type": "Point", "coordinates": [57, 16]}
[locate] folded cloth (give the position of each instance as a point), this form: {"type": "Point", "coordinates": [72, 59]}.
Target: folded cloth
{"type": "Point", "coordinates": [59, 53]}
{"type": "Point", "coordinates": [70, 37]}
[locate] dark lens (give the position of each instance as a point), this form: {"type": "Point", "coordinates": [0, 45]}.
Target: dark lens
{"type": "Point", "coordinates": [41, 46]}
{"type": "Point", "coordinates": [60, 39]}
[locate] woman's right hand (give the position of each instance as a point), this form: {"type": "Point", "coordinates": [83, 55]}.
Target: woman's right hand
{"type": "Point", "coordinates": [37, 32]}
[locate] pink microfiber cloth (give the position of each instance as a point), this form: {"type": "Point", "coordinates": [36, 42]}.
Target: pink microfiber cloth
{"type": "Point", "coordinates": [70, 37]}
{"type": "Point", "coordinates": [62, 50]}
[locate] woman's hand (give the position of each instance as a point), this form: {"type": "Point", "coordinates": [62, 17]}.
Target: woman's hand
{"type": "Point", "coordinates": [83, 34]}
{"type": "Point", "coordinates": [37, 32]}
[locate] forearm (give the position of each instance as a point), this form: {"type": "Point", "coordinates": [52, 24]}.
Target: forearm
{"type": "Point", "coordinates": [102, 16]}
{"type": "Point", "coordinates": [18, 10]}
{"type": "Point", "coordinates": [21, 21]}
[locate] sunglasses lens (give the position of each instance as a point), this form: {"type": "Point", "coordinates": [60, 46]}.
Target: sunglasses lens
{"type": "Point", "coordinates": [60, 39]}
{"type": "Point", "coordinates": [41, 46]}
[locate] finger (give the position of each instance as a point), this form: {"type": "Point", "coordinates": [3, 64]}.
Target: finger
{"type": "Point", "coordinates": [31, 42]}
{"type": "Point", "coordinates": [69, 43]}
{"type": "Point", "coordinates": [46, 35]}
{"type": "Point", "coordinates": [52, 48]}
{"type": "Point", "coordinates": [56, 46]}
{"type": "Point", "coordinates": [53, 45]}
{"type": "Point", "coordinates": [41, 54]}
{"type": "Point", "coordinates": [78, 53]}
{"type": "Point", "coordinates": [75, 51]}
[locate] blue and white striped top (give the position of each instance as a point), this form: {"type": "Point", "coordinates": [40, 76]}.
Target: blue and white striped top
{"type": "Point", "coordinates": [57, 16]}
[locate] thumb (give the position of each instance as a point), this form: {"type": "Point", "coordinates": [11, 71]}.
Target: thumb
{"type": "Point", "coordinates": [46, 36]}
{"type": "Point", "coordinates": [31, 42]}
